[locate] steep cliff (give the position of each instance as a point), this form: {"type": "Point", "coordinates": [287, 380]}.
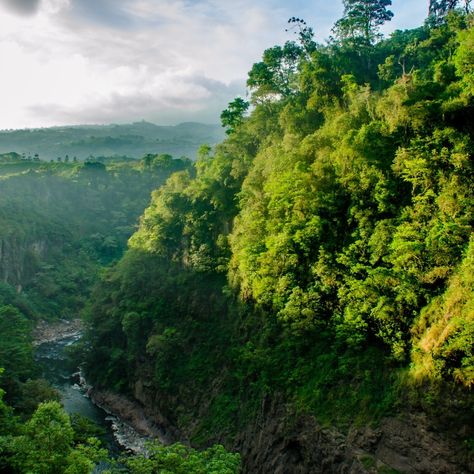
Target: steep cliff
{"type": "Point", "coordinates": [304, 293]}
{"type": "Point", "coordinates": [19, 258]}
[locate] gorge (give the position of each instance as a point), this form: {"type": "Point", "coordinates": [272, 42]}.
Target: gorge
{"type": "Point", "coordinates": [297, 300]}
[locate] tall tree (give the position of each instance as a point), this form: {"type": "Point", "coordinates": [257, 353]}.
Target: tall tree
{"type": "Point", "coordinates": [362, 19]}
{"type": "Point", "coordinates": [233, 116]}
{"type": "Point", "coordinates": [275, 75]}
{"type": "Point", "coordinates": [47, 441]}
{"type": "Point", "coordinates": [439, 8]}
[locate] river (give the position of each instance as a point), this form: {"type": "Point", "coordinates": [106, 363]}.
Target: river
{"type": "Point", "coordinates": [52, 359]}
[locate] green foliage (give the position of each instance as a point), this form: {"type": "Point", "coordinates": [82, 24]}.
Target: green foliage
{"type": "Point", "coordinates": [32, 393]}
{"type": "Point", "coordinates": [85, 429]}
{"type": "Point", "coordinates": [16, 352]}
{"type": "Point", "coordinates": [319, 253]}
{"type": "Point", "coordinates": [464, 61]}
{"type": "Point", "coordinates": [46, 441]}
{"type": "Point", "coordinates": [362, 19]}
{"type": "Point", "coordinates": [444, 331]}
{"type": "Point", "coordinates": [275, 75]}
{"type": "Point", "coordinates": [438, 9]}
{"type": "Point", "coordinates": [233, 116]}
{"type": "Point", "coordinates": [52, 442]}
{"type": "Point", "coordinates": [46, 445]}
{"type": "Point", "coordinates": [180, 459]}
{"type": "Point", "coordinates": [60, 222]}
{"type": "Point", "coordinates": [6, 414]}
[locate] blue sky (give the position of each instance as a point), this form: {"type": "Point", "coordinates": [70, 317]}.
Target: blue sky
{"type": "Point", "coordinates": [166, 61]}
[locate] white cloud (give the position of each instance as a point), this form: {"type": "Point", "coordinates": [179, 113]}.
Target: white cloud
{"type": "Point", "coordinates": [72, 61]}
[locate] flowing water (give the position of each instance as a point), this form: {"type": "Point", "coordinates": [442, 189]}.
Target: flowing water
{"type": "Point", "coordinates": [53, 361]}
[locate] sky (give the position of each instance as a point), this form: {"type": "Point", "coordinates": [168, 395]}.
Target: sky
{"type": "Point", "coordinates": [67, 62]}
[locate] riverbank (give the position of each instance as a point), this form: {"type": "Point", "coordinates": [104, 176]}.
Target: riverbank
{"type": "Point", "coordinates": [125, 421]}
{"type": "Point", "coordinates": [51, 341]}
{"type": "Point", "coordinates": [132, 414]}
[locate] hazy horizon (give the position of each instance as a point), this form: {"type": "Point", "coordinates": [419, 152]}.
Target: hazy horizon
{"type": "Point", "coordinates": [75, 62]}
{"type": "Point", "coordinates": [111, 124]}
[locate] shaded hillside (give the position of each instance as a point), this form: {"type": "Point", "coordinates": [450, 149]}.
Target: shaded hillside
{"type": "Point", "coordinates": [60, 222]}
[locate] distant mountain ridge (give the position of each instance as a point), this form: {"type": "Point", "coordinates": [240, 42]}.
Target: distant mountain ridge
{"type": "Point", "coordinates": [133, 140]}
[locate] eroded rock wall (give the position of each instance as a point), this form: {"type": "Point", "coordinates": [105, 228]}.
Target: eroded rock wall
{"type": "Point", "coordinates": [19, 258]}
{"type": "Point", "coordinates": [279, 441]}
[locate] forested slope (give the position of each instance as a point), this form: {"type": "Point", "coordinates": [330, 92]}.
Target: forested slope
{"type": "Point", "coordinates": [60, 224]}
{"type": "Point", "coordinates": [315, 269]}
{"type": "Point", "coordinates": [59, 221]}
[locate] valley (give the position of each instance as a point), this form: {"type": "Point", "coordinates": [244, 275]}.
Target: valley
{"type": "Point", "coordinates": [294, 298]}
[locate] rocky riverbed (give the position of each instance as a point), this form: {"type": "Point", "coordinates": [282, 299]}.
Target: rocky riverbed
{"type": "Point", "coordinates": [50, 331]}
{"type": "Point", "coordinates": [129, 433]}
{"type": "Point", "coordinates": [131, 413]}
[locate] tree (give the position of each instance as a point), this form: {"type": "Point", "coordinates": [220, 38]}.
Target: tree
{"type": "Point", "coordinates": [438, 9]}
{"type": "Point", "coordinates": [32, 393]}
{"type": "Point", "coordinates": [6, 414]}
{"type": "Point", "coordinates": [163, 161]}
{"type": "Point", "coordinates": [16, 354]}
{"type": "Point", "coordinates": [47, 441]}
{"type": "Point", "coordinates": [362, 19]}
{"type": "Point", "coordinates": [464, 61]}
{"type": "Point", "coordinates": [233, 116]}
{"type": "Point", "coordinates": [180, 459]}
{"type": "Point", "coordinates": [148, 160]}
{"type": "Point", "coordinates": [275, 75]}
{"type": "Point", "coordinates": [47, 445]}
{"type": "Point", "coordinates": [304, 32]}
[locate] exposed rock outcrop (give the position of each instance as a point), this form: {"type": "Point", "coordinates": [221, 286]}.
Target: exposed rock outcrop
{"type": "Point", "coordinates": [47, 331]}
{"type": "Point", "coordinates": [142, 419]}
{"type": "Point", "coordinates": [280, 442]}
{"type": "Point", "coordinates": [19, 258]}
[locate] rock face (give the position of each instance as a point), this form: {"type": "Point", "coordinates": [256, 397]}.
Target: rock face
{"type": "Point", "coordinates": [408, 444]}
{"type": "Point", "coordinates": [132, 412]}
{"type": "Point", "coordinates": [19, 258]}
{"type": "Point", "coordinates": [278, 442]}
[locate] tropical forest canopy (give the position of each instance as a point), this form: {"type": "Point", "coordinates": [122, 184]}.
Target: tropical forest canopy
{"type": "Point", "coordinates": [324, 250]}
{"type": "Point", "coordinates": [321, 255]}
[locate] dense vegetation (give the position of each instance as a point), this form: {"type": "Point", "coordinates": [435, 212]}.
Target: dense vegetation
{"type": "Point", "coordinates": [322, 254]}
{"type": "Point", "coordinates": [49, 443]}
{"type": "Point", "coordinates": [58, 220]}
{"type": "Point", "coordinates": [321, 257]}
{"type": "Point", "coordinates": [60, 223]}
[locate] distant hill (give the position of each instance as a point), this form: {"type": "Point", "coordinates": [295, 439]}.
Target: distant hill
{"type": "Point", "coordinates": [134, 140]}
